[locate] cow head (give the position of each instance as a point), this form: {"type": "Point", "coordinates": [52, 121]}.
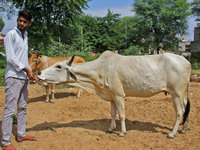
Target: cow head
{"type": "Point", "coordinates": [35, 62]}
{"type": "Point", "coordinates": [58, 73]}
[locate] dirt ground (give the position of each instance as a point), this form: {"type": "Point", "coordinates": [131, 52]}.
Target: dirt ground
{"type": "Point", "coordinates": [80, 124]}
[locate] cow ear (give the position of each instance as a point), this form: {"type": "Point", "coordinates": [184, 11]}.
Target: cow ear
{"type": "Point", "coordinates": [71, 60]}
{"type": "Point", "coordinates": [73, 76]}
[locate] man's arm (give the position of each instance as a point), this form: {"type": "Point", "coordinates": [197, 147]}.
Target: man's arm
{"type": "Point", "coordinates": [30, 74]}
{"type": "Point", "coordinates": [10, 54]}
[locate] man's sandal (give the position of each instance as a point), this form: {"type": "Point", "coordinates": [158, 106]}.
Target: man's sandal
{"type": "Point", "coordinates": [8, 147]}
{"type": "Point", "coordinates": [26, 138]}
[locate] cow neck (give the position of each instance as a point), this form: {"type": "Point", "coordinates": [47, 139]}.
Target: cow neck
{"type": "Point", "coordinates": [85, 71]}
{"type": "Point", "coordinates": [44, 63]}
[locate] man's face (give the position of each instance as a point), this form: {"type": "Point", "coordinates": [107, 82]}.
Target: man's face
{"type": "Point", "coordinates": [22, 23]}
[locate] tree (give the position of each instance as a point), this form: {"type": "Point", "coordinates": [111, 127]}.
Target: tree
{"type": "Point", "coordinates": [48, 18]}
{"type": "Point", "coordinates": [6, 6]}
{"type": "Point", "coordinates": [102, 33]}
{"type": "Point", "coordinates": [196, 9]}
{"type": "Point", "coordinates": [107, 31]}
{"type": "Point", "coordinates": [1, 24]}
{"type": "Point", "coordinates": [159, 21]}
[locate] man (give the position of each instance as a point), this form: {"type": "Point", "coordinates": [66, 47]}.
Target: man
{"type": "Point", "coordinates": [17, 76]}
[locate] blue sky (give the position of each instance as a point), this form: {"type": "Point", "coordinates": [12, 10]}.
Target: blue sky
{"type": "Point", "coordinates": [100, 8]}
{"type": "Point", "coordinates": [98, 4]}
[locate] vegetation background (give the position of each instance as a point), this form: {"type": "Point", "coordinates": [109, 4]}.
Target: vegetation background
{"type": "Point", "coordinates": [60, 28]}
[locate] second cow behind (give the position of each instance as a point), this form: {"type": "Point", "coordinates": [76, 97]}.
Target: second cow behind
{"type": "Point", "coordinates": [38, 63]}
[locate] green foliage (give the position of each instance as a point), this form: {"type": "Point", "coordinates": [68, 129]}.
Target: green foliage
{"type": "Point", "coordinates": [195, 60]}
{"type": "Point", "coordinates": [2, 62]}
{"type": "Point", "coordinates": [2, 67]}
{"type": "Point", "coordinates": [195, 64]}
{"type": "Point", "coordinates": [1, 24]}
{"type": "Point", "coordinates": [6, 6]}
{"type": "Point", "coordinates": [2, 59]}
{"type": "Point", "coordinates": [86, 55]}
{"type": "Point", "coordinates": [49, 17]}
{"type": "Point", "coordinates": [2, 77]}
{"type": "Point", "coordinates": [133, 50]}
{"type": "Point", "coordinates": [161, 20]}
{"type": "Point", "coordinates": [91, 58]}
{"type": "Point", "coordinates": [59, 28]}
{"type": "Point", "coordinates": [90, 34]}
{"type": "Point", "coordinates": [196, 9]}
{"type": "Point", "coordinates": [15, 119]}
{"type": "Point", "coordinates": [102, 33]}
{"type": "Point", "coordinates": [56, 49]}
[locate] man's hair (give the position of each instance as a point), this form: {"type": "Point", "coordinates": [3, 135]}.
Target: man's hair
{"type": "Point", "coordinates": [26, 14]}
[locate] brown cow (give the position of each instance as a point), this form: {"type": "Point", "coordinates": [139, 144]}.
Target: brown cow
{"type": "Point", "coordinates": [38, 63]}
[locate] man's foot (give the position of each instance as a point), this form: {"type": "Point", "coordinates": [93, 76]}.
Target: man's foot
{"type": "Point", "coordinates": [26, 138]}
{"type": "Point", "coordinates": [8, 147]}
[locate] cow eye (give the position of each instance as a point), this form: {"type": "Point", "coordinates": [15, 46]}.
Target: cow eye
{"type": "Point", "coordinates": [59, 67]}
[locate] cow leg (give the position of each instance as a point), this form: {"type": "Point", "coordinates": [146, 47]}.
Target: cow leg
{"type": "Point", "coordinates": [119, 102]}
{"type": "Point", "coordinates": [113, 114]}
{"type": "Point", "coordinates": [47, 92]}
{"type": "Point", "coordinates": [52, 93]}
{"type": "Point", "coordinates": [185, 125]}
{"type": "Point", "coordinates": [80, 91]}
{"type": "Point", "coordinates": [179, 114]}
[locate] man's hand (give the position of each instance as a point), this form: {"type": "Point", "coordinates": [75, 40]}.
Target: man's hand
{"type": "Point", "coordinates": [30, 75]}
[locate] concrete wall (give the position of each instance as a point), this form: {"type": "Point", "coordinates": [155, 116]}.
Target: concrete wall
{"type": "Point", "coordinates": [197, 33]}
{"type": "Point", "coordinates": [195, 45]}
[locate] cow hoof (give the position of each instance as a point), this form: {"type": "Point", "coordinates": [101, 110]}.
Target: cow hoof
{"type": "Point", "coordinates": [51, 102]}
{"type": "Point", "coordinates": [182, 132]}
{"type": "Point", "coordinates": [121, 135]}
{"type": "Point", "coordinates": [109, 132]}
{"type": "Point", "coordinates": [169, 136]}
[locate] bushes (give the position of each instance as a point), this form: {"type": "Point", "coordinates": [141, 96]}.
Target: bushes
{"type": "Point", "coordinates": [2, 77]}
{"type": "Point", "coordinates": [2, 70]}
{"type": "Point", "coordinates": [133, 50]}
{"type": "Point", "coordinates": [2, 62]}
{"type": "Point", "coordinates": [195, 60]}
{"type": "Point", "coordinates": [86, 55]}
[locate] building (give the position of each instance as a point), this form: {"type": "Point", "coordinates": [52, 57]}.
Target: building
{"type": "Point", "coordinates": [195, 45]}
{"type": "Point", "coordinates": [183, 45]}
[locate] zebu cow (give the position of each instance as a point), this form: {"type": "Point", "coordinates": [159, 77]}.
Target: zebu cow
{"type": "Point", "coordinates": [113, 77]}
{"type": "Point", "coordinates": [38, 63]}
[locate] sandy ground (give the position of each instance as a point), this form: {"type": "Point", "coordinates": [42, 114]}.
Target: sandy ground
{"type": "Point", "coordinates": [80, 124]}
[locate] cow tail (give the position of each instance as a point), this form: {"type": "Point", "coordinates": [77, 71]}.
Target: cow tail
{"type": "Point", "coordinates": [187, 108]}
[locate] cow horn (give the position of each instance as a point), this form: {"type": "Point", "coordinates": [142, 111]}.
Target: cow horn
{"type": "Point", "coordinates": [38, 52]}
{"type": "Point", "coordinates": [30, 52]}
{"type": "Point", "coordinates": [71, 60]}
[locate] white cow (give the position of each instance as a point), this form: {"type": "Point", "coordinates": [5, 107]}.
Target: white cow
{"type": "Point", "coordinates": [113, 77]}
